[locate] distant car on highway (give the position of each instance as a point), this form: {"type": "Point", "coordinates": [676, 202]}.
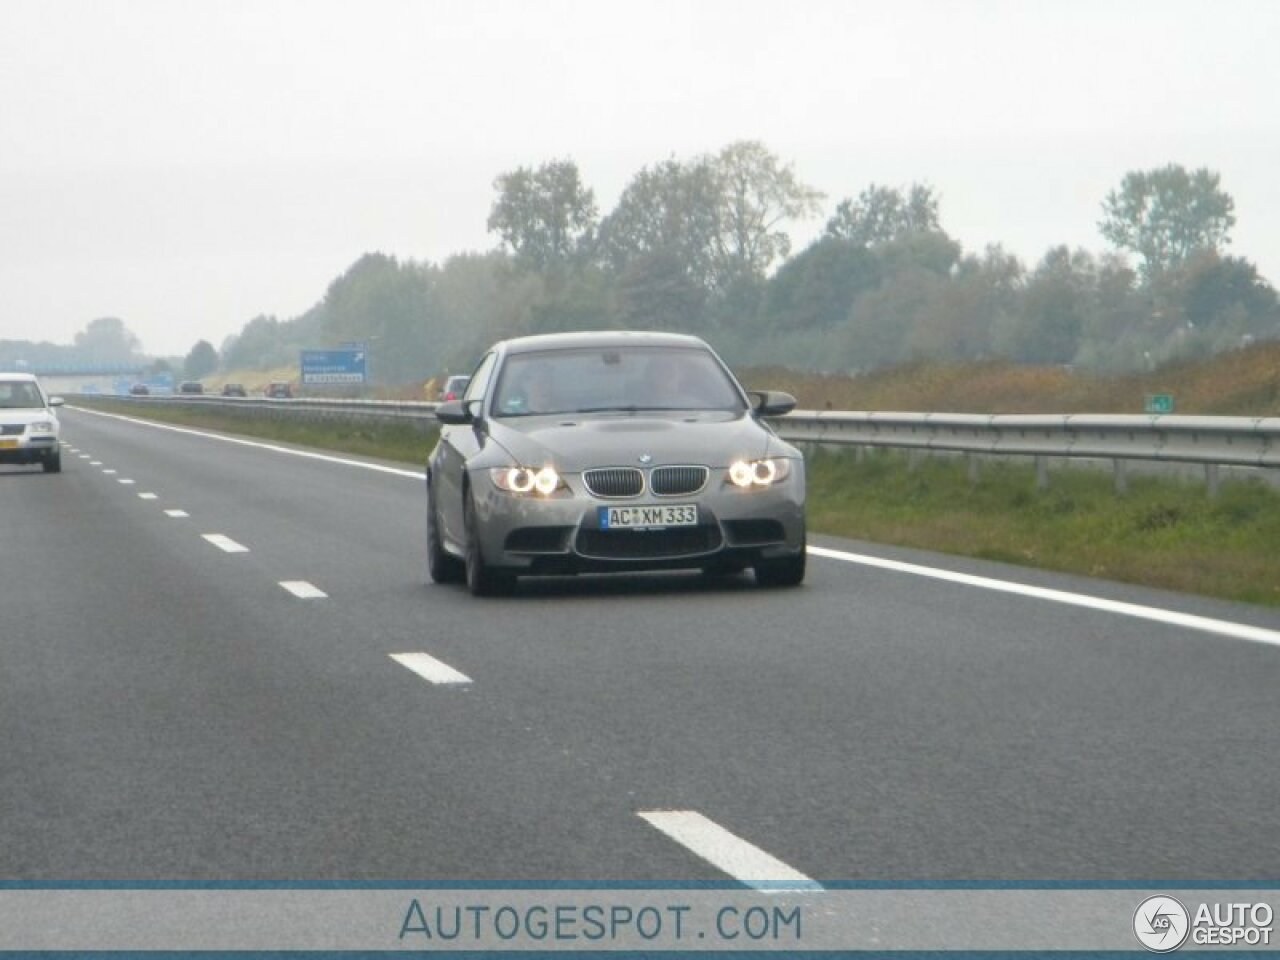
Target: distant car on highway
{"type": "Point", "coordinates": [611, 451]}
{"type": "Point", "coordinates": [28, 424]}
{"type": "Point", "coordinates": [139, 390]}
{"type": "Point", "coordinates": [191, 387]}
{"type": "Point", "coordinates": [234, 390]}
{"type": "Point", "coordinates": [279, 390]}
{"type": "Point", "coordinates": [454, 387]}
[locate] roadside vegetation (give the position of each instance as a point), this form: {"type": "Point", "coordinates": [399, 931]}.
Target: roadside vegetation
{"type": "Point", "coordinates": [1164, 533]}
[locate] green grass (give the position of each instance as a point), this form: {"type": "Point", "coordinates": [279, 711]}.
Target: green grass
{"type": "Point", "coordinates": [399, 442]}
{"type": "Point", "coordinates": [1163, 533]}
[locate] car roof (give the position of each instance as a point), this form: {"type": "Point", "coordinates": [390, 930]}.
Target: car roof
{"type": "Point", "coordinates": [21, 377]}
{"type": "Point", "coordinates": [599, 338]}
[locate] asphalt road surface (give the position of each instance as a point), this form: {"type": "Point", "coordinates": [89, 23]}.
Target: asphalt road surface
{"type": "Point", "coordinates": [170, 711]}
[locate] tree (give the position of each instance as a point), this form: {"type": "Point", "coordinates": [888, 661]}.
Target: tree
{"type": "Point", "coordinates": [1167, 214]}
{"type": "Point", "coordinates": [883, 214]}
{"type": "Point", "coordinates": [667, 213]}
{"type": "Point", "coordinates": [545, 215]}
{"type": "Point", "coordinates": [107, 340]}
{"type": "Point", "coordinates": [1057, 304]}
{"type": "Point", "coordinates": [757, 194]}
{"type": "Point", "coordinates": [201, 361]}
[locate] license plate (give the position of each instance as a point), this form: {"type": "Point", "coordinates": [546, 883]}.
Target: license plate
{"type": "Point", "coordinates": [8, 444]}
{"type": "Point", "coordinates": [648, 517]}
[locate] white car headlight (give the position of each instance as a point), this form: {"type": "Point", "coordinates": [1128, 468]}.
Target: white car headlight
{"type": "Point", "coordinates": [525, 480]}
{"type": "Point", "coordinates": [758, 473]}
{"type": "Point", "coordinates": [41, 426]}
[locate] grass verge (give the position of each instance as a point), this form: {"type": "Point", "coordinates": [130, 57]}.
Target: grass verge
{"type": "Point", "coordinates": [1164, 533]}
{"type": "Point", "coordinates": [399, 442]}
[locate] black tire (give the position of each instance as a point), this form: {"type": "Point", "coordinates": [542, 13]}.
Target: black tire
{"type": "Point", "coordinates": [442, 566]}
{"type": "Point", "coordinates": [482, 579]}
{"type": "Point", "coordinates": [53, 462]}
{"type": "Point", "coordinates": [783, 572]}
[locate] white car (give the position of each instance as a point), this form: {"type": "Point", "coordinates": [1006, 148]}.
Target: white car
{"type": "Point", "coordinates": [28, 423]}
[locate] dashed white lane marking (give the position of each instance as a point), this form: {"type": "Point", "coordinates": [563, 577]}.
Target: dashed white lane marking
{"type": "Point", "coordinates": [429, 668]}
{"type": "Point", "coordinates": [126, 481]}
{"type": "Point", "coordinates": [108, 472]}
{"type": "Point", "coordinates": [1226, 628]}
{"type": "Point", "coordinates": [176, 514]}
{"type": "Point", "coordinates": [83, 456]}
{"type": "Point", "coordinates": [95, 463]}
{"type": "Point", "coordinates": [303, 590]}
{"type": "Point", "coordinates": [376, 467]}
{"type": "Point", "coordinates": [146, 496]}
{"type": "Point", "coordinates": [743, 861]}
{"type": "Point", "coordinates": [225, 544]}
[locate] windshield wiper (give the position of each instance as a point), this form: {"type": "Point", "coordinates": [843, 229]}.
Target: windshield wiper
{"type": "Point", "coordinates": [614, 409]}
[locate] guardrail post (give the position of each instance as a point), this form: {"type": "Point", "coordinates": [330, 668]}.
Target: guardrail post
{"type": "Point", "coordinates": [1121, 470]}
{"type": "Point", "coordinates": [974, 468]}
{"type": "Point", "coordinates": [1042, 473]}
{"type": "Point", "coordinates": [1212, 480]}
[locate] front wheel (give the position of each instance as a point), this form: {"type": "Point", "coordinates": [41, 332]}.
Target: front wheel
{"type": "Point", "coordinates": [53, 462]}
{"type": "Point", "coordinates": [442, 566]}
{"type": "Point", "coordinates": [783, 572]}
{"type": "Point", "coordinates": [482, 579]}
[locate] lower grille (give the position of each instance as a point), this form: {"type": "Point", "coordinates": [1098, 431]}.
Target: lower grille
{"type": "Point", "coordinates": [612, 482]}
{"type": "Point", "coordinates": [648, 544]}
{"type": "Point", "coordinates": [538, 540]}
{"type": "Point", "coordinates": [743, 532]}
{"type": "Point", "coordinates": [12, 429]}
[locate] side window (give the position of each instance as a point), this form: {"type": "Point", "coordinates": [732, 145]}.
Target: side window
{"type": "Point", "coordinates": [479, 379]}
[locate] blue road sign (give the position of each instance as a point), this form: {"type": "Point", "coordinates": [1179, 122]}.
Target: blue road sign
{"type": "Point", "coordinates": [333, 367]}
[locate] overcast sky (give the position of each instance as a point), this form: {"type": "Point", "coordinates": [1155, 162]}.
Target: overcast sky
{"type": "Point", "coordinates": [188, 164]}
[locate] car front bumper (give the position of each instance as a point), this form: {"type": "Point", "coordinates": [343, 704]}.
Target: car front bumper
{"type": "Point", "coordinates": [27, 448]}
{"type": "Point", "coordinates": [563, 533]}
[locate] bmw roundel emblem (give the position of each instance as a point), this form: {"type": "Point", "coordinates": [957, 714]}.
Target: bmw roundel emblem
{"type": "Point", "coordinates": [646, 458]}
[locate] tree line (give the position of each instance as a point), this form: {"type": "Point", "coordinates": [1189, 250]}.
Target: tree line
{"type": "Point", "coordinates": [702, 246]}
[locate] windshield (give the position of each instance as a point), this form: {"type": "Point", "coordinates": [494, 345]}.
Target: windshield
{"type": "Point", "coordinates": [623, 379]}
{"type": "Point", "coordinates": [19, 395]}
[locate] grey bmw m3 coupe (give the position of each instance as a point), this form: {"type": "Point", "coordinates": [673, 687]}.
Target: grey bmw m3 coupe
{"type": "Point", "coordinates": [611, 451]}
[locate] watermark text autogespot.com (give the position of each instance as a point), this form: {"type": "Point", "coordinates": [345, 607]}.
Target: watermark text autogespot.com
{"type": "Point", "coordinates": [490, 925]}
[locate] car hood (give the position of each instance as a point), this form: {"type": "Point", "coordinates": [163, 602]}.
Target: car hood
{"type": "Point", "coordinates": [26, 415]}
{"type": "Point", "coordinates": [576, 442]}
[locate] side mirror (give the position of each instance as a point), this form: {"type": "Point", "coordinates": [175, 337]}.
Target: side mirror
{"type": "Point", "coordinates": [453, 412]}
{"type": "Point", "coordinates": [56, 401]}
{"type": "Point", "coordinates": [772, 403]}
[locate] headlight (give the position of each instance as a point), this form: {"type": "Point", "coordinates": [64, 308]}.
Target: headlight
{"type": "Point", "coordinates": [41, 426]}
{"type": "Point", "coordinates": [543, 481]}
{"type": "Point", "coordinates": [758, 473]}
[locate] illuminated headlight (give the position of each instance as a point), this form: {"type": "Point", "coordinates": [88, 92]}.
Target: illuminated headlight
{"type": "Point", "coordinates": [41, 426]}
{"type": "Point", "coordinates": [544, 481]}
{"type": "Point", "coordinates": [758, 473]}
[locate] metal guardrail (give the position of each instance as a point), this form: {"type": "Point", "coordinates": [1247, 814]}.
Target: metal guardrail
{"type": "Point", "coordinates": [1211, 441]}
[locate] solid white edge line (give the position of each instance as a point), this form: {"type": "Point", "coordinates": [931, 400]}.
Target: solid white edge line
{"type": "Point", "coordinates": [176, 514]}
{"type": "Point", "coordinates": [740, 859]}
{"type": "Point", "coordinates": [225, 544]}
{"type": "Point", "coordinates": [303, 590]}
{"type": "Point", "coordinates": [1226, 628]}
{"type": "Point", "coordinates": [326, 458]}
{"type": "Point", "coordinates": [429, 668]}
